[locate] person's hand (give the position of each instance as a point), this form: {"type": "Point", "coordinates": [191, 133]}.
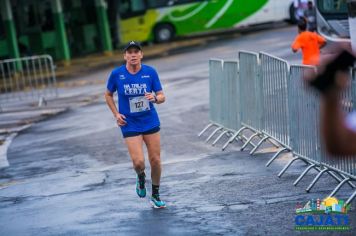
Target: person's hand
{"type": "Point", "coordinates": [150, 97]}
{"type": "Point", "coordinates": [120, 119]}
{"type": "Point", "coordinates": [334, 73]}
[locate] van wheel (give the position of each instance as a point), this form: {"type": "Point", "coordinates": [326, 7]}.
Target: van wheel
{"type": "Point", "coordinates": [163, 33]}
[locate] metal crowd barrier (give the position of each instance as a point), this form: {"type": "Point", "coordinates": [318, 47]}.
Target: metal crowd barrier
{"type": "Point", "coordinates": [304, 119]}
{"type": "Point", "coordinates": [249, 87]}
{"type": "Point", "coordinates": [304, 116]}
{"type": "Point", "coordinates": [270, 98]}
{"type": "Point", "coordinates": [229, 101]}
{"type": "Point", "coordinates": [224, 99]}
{"type": "Point", "coordinates": [274, 92]}
{"type": "Point", "coordinates": [215, 74]}
{"type": "Point", "coordinates": [28, 78]}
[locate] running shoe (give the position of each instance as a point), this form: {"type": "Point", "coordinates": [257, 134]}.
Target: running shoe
{"type": "Point", "coordinates": [140, 186]}
{"type": "Point", "coordinates": [157, 202]}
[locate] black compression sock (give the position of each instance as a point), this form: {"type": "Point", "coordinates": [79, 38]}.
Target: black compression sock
{"type": "Point", "coordinates": [142, 175]}
{"type": "Point", "coordinates": [155, 189]}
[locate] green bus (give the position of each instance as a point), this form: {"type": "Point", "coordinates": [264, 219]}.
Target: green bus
{"type": "Point", "coordinates": [162, 20]}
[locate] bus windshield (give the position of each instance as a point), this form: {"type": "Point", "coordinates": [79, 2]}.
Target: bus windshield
{"type": "Point", "coordinates": [332, 6]}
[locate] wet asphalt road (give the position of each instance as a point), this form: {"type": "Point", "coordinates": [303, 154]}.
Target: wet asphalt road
{"type": "Point", "coordinates": [71, 174]}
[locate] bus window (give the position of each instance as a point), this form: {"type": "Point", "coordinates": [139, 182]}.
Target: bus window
{"type": "Point", "coordinates": [131, 8]}
{"type": "Point", "coordinates": [137, 5]}
{"type": "Point", "coordinates": [333, 6]}
{"type": "Point", "coordinates": [2, 28]}
{"type": "Point", "coordinates": [186, 1]}
{"type": "Point", "coordinates": [168, 3]}
{"type": "Point", "coordinates": [332, 20]}
{"type": "Point", "coordinates": [124, 6]}
{"type": "Point", "coordinates": [159, 3]}
{"type": "Point", "coordinates": [352, 9]}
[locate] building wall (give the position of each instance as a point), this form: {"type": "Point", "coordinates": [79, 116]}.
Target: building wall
{"type": "Point", "coordinates": [35, 26]}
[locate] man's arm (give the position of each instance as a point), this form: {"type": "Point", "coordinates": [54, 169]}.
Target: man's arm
{"type": "Point", "coordinates": [109, 98]}
{"type": "Point", "coordinates": [160, 97]}
{"type": "Point", "coordinates": [296, 45]}
{"type": "Point", "coordinates": [321, 41]}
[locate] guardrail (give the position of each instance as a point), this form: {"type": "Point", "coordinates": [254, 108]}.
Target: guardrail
{"type": "Point", "coordinates": [266, 96]}
{"type": "Point", "coordinates": [28, 78]}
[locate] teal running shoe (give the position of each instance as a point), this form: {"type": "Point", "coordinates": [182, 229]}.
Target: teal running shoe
{"type": "Point", "coordinates": [157, 202]}
{"type": "Point", "coordinates": [140, 186]}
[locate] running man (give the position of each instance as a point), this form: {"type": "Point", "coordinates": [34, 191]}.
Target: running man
{"type": "Point", "coordinates": [138, 87]}
{"type": "Point", "coordinates": [310, 44]}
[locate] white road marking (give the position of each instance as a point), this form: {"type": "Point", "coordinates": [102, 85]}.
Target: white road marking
{"type": "Point", "coordinates": [3, 150]}
{"type": "Point", "coordinates": [5, 146]}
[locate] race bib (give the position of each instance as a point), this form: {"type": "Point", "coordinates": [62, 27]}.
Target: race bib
{"type": "Point", "coordinates": [139, 104]}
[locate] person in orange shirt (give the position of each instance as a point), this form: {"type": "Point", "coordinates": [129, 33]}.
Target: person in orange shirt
{"type": "Point", "coordinates": [310, 44]}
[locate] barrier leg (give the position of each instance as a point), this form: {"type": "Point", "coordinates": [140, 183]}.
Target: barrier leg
{"type": "Point", "coordinates": [248, 141]}
{"type": "Point", "coordinates": [336, 177]}
{"type": "Point", "coordinates": [42, 101]}
{"type": "Point", "coordinates": [332, 174]}
{"type": "Point", "coordinates": [213, 133]}
{"type": "Point", "coordinates": [344, 177]}
{"type": "Point", "coordinates": [303, 174]}
{"type": "Point", "coordinates": [338, 187]}
{"type": "Point", "coordinates": [316, 179]}
{"type": "Point", "coordinates": [205, 129]}
{"type": "Point", "coordinates": [219, 137]}
{"type": "Point", "coordinates": [233, 137]}
{"type": "Point", "coordinates": [287, 166]}
{"type": "Point", "coordinates": [274, 143]}
{"type": "Point", "coordinates": [244, 139]}
{"type": "Point", "coordinates": [258, 145]}
{"type": "Point", "coordinates": [351, 198]}
{"type": "Point", "coordinates": [276, 155]}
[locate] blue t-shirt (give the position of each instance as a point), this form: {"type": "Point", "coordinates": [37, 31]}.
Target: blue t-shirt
{"type": "Point", "coordinates": [141, 114]}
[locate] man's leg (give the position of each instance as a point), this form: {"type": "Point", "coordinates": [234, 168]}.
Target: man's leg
{"type": "Point", "coordinates": [134, 145]}
{"type": "Point", "coordinates": [153, 144]}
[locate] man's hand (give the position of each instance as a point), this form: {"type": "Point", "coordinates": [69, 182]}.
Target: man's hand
{"type": "Point", "coordinates": [150, 97]}
{"type": "Point", "coordinates": [120, 119]}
